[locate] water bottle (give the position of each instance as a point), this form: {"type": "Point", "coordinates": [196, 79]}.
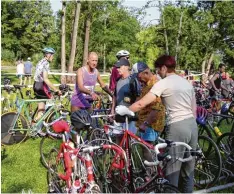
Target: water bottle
{"type": "Point", "coordinates": [217, 131]}
{"type": "Point", "coordinates": [75, 186]}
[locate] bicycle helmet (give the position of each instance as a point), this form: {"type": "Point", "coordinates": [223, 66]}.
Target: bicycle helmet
{"type": "Point", "coordinates": [225, 108]}
{"type": "Point", "coordinates": [81, 119]}
{"type": "Point", "coordinates": [201, 115]}
{"type": "Point", "coordinates": [122, 53]}
{"type": "Point", "coordinates": [29, 59]}
{"type": "Point", "coordinates": [48, 50]}
{"type": "Point", "coordinates": [61, 126]}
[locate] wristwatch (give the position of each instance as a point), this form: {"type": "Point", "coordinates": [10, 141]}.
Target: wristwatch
{"type": "Point", "coordinates": [146, 123]}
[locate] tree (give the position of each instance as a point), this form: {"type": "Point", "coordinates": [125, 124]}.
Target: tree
{"type": "Point", "coordinates": [73, 42]}
{"type": "Point", "coordinates": [63, 51]}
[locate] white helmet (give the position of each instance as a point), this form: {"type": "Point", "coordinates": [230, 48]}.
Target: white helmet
{"type": "Point", "coordinates": [29, 59]}
{"type": "Point", "coordinates": [122, 53]}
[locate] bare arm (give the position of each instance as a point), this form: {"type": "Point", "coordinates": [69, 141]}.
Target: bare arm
{"type": "Point", "coordinates": [113, 105]}
{"type": "Point", "coordinates": [147, 99]}
{"type": "Point", "coordinates": [47, 81]}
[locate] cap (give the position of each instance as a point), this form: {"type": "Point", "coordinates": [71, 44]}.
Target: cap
{"type": "Point", "coordinates": [122, 62]}
{"type": "Point", "coordinates": [139, 67]}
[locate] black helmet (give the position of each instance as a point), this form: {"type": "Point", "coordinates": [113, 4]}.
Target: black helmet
{"type": "Point", "coordinates": [81, 119]}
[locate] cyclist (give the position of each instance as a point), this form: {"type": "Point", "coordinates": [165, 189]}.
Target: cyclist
{"type": "Point", "coordinates": [114, 72]}
{"type": "Point", "coordinates": [216, 81]}
{"type": "Point", "coordinates": [42, 83]}
{"type": "Point", "coordinates": [87, 77]}
{"type": "Point", "coordinates": [179, 99]}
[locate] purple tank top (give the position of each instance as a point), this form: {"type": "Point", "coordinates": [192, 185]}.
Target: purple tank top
{"type": "Point", "coordinates": [89, 82]}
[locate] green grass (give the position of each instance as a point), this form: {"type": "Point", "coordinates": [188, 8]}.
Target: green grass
{"type": "Point", "coordinates": [22, 169]}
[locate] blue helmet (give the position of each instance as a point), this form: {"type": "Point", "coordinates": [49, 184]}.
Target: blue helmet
{"type": "Point", "coordinates": [225, 108]}
{"type": "Point", "coordinates": [201, 115]}
{"type": "Point", "coordinates": [48, 50]}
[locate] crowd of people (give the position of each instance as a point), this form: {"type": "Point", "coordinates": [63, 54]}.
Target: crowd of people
{"type": "Point", "coordinates": [164, 98]}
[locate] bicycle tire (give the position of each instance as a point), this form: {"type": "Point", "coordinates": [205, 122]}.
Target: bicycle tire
{"type": "Point", "coordinates": [208, 164]}
{"type": "Point", "coordinates": [55, 166]}
{"type": "Point", "coordinates": [204, 130]}
{"type": "Point", "coordinates": [7, 120]}
{"type": "Point", "coordinates": [162, 188]}
{"type": "Point", "coordinates": [46, 144]}
{"type": "Point", "coordinates": [226, 145]}
{"type": "Point", "coordinates": [139, 170]}
{"type": "Point", "coordinates": [50, 141]}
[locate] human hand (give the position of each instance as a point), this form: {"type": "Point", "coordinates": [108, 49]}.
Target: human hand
{"type": "Point", "coordinates": [94, 96]}
{"type": "Point", "coordinates": [123, 110]}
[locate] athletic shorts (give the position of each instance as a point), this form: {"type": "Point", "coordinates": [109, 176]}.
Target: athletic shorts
{"type": "Point", "coordinates": [41, 90]}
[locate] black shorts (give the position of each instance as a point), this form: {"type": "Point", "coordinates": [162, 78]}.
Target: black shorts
{"type": "Point", "coordinates": [28, 75]}
{"type": "Point", "coordinates": [41, 90]}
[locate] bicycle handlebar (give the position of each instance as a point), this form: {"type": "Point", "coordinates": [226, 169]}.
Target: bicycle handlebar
{"type": "Point", "coordinates": [160, 157]}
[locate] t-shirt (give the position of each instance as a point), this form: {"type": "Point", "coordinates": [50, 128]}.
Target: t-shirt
{"type": "Point", "coordinates": [28, 67]}
{"type": "Point", "coordinates": [157, 105]}
{"type": "Point", "coordinates": [20, 69]}
{"type": "Point", "coordinates": [177, 95]}
{"type": "Point", "coordinates": [123, 91]}
{"type": "Point", "coordinates": [42, 66]}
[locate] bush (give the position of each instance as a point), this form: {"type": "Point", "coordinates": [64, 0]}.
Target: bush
{"type": "Point", "coordinates": [8, 55]}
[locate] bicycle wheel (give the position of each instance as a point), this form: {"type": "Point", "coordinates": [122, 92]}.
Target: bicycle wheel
{"type": "Point", "coordinates": [226, 145]}
{"type": "Point", "coordinates": [55, 166]}
{"type": "Point", "coordinates": [46, 144]}
{"type": "Point", "coordinates": [7, 121]}
{"type": "Point", "coordinates": [98, 137]}
{"type": "Point", "coordinates": [208, 164]}
{"type": "Point", "coordinates": [140, 153]}
{"type": "Point", "coordinates": [204, 130]}
{"type": "Point", "coordinates": [162, 188]}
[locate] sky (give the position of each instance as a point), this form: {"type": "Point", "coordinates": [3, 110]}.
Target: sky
{"type": "Point", "coordinates": [151, 16]}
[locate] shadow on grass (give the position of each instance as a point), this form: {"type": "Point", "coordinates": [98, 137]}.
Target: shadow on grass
{"type": "Point", "coordinates": [18, 188]}
{"type": "Point", "coordinates": [3, 153]}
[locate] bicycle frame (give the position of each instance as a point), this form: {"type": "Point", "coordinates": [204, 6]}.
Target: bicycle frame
{"type": "Point", "coordinates": [24, 103]}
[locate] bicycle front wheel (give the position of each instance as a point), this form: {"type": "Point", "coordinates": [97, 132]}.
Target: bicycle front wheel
{"type": "Point", "coordinates": [46, 144]}
{"type": "Point", "coordinates": [16, 136]}
{"type": "Point", "coordinates": [55, 166]}
{"type": "Point", "coordinates": [162, 188]}
{"type": "Point", "coordinates": [208, 164]}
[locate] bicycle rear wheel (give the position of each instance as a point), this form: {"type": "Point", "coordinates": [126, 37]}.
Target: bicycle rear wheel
{"type": "Point", "coordinates": [55, 166]}
{"type": "Point", "coordinates": [162, 188]}
{"type": "Point", "coordinates": [16, 136]}
{"type": "Point", "coordinates": [208, 164]}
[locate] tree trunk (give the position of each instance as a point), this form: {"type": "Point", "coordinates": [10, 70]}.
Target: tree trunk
{"type": "Point", "coordinates": [73, 43]}
{"type": "Point", "coordinates": [63, 54]}
{"type": "Point", "coordinates": [209, 64]}
{"type": "Point", "coordinates": [178, 37]}
{"type": "Point", "coordinates": [164, 26]}
{"type": "Point", "coordinates": [86, 43]}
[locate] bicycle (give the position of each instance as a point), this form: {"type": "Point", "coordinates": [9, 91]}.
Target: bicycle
{"type": "Point", "coordinates": [76, 171]}
{"type": "Point", "coordinates": [16, 124]}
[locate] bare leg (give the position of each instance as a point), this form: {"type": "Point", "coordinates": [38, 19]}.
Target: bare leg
{"type": "Point", "coordinates": [41, 109]}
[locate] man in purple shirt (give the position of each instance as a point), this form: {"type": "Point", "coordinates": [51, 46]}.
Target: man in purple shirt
{"type": "Point", "coordinates": [114, 73]}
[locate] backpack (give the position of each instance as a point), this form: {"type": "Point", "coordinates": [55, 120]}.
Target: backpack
{"type": "Point", "coordinates": [135, 88]}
